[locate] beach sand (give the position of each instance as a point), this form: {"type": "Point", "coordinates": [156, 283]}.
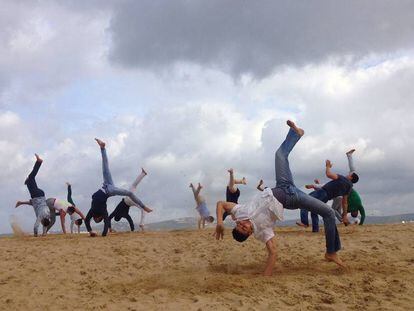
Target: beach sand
{"type": "Point", "coordinates": [189, 270]}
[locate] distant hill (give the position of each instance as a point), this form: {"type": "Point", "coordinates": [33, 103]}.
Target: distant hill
{"type": "Point", "coordinates": [191, 223]}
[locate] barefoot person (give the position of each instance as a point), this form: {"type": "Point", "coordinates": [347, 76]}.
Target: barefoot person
{"type": "Point", "coordinates": [355, 207]}
{"type": "Point", "coordinates": [98, 210]}
{"type": "Point", "coordinates": [62, 208]}
{"type": "Point", "coordinates": [259, 221]}
{"type": "Point", "coordinates": [75, 218]}
{"type": "Point", "coordinates": [201, 207]}
{"type": "Point", "coordinates": [122, 209]}
{"type": "Point", "coordinates": [38, 200]}
{"type": "Point", "coordinates": [232, 191]}
{"type": "Point", "coordinates": [339, 186]}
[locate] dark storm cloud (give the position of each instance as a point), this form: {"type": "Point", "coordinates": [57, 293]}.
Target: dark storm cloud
{"type": "Point", "coordinates": [256, 36]}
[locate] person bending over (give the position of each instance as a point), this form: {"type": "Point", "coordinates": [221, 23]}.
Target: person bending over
{"type": "Point", "coordinates": [232, 191]}
{"type": "Point", "coordinates": [288, 195]}
{"type": "Point", "coordinates": [122, 209]}
{"type": "Point", "coordinates": [75, 218]}
{"type": "Point", "coordinates": [339, 186]}
{"type": "Point", "coordinates": [38, 200]}
{"type": "Point", "coordinates": [201, 207]}
{"type": "Point", "coordinates": [98, 210]}
{"type": "Point", "coordinates": [62, 208]}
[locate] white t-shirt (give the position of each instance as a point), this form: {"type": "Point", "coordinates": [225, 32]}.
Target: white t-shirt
{"type": "Point", "coordinates": [263, 212]}
{"type": "Point", "coordinates": [354, 220]}
{"type": "Point", "coordinates": [61, 205]}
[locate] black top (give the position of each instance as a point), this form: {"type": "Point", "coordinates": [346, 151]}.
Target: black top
{"type": "Point", "coordinates": [98, 209]}
{"type": "Point", "coordinates": [122, 211]}
{"type": "Point", "coordinates": [338, 187]}
{"type": "Point", "coordinates": [232, 197]}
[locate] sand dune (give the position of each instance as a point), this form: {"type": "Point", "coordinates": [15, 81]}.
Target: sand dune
{"type": "Point", "coordinates": [189, 270]}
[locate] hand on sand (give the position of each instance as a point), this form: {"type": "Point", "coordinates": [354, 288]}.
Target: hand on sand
{"type": "Point", "coordinates": [219, 234]}
{"type": "Point", "coordinates": [93, 234]}
{"type": "Point", "coordinates": [345, 220]}
{"type": "Point", "coordinates": [38, 159]}
{"type": "Point", "coordinates": [100, 143]}
{"type": "Point", "coordinates": [328, 163]}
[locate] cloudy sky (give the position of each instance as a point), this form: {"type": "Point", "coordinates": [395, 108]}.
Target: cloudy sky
{"type": "Point", "coordinates": [188, 89]}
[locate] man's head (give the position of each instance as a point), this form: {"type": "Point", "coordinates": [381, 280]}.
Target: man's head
{"type": "Point", "coordinates": [242, 230]}
{"type": "Point", "coordinates": [353, 177]}
{"type": "Point", "coordinates": [45, 222]}
{"type": "Point", "coordinates": [78, 222]}
{"type": "Point", "coordinates": [210, 219]}
{"type": "Point", "coordinates": [71, 210]}
{"type": "Point", "coordinates": [354, 214]}
{"type": "Point", "coordinates": [97, 219]}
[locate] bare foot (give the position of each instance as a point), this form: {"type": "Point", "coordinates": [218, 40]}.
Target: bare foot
{"type": "Point", "coordinates": [191, 185]}
{"type": "Point", "coordinates": [292, 125]}
{"type": "Point", "coordinates": [93, 234]}
{"type": "Point", "coordinates": [301, 224]}
{"type": "Point", "coordinates": [147, 209]}
{"type": "Point", "coordinates": [18, 203]}
{"type": "Point", "coordinates": [142, 169]}
{"type": "Point", "coordinates": [200, 186]}
{"type": "Point", "coordinates": [244, 181]}
{"type": "Point", "coordinates": [350, 152]}
{"type": "Point", "coordinates": [38, 159]}
{"type": "Point", "coordinates": [230, 170]}
{"type": "Point", "coordinates": [100, 143]}
{"type": "Point", "coordinates": [142, 228]}
{"type": "Point", "coordinates": [335, 258]}
{"type": "Point", "coordinates": [309, 186]}
{"type": "Point", "coordinates": [316, 181]}
{"type": "Point", "coordinates": [67, 183]}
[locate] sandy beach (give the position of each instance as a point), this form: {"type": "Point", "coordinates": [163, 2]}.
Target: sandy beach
{"type": "Point", "coordinates": [189, 270]}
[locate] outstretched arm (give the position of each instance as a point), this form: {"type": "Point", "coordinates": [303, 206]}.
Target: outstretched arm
{"type": "Point", "coordinates": [362, 212]}
{"type": "Point", "coordinates": [220, 208]}
{"type": "Point", "coordinates": [271, 258]}
{"type": "Point", "coordinates": [77, 211]}
{"type": "Point", "coordinates": [62, 221]}
{"type": "Point", "coordinates": [329, 174]}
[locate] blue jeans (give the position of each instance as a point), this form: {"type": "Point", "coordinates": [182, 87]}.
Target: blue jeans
{"type": "Point", "coordinates": [321, 195]}
{"type": "Point", "coordinates": [296, 198]}
{"type": "Point", "coordinates": [109, 186]}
